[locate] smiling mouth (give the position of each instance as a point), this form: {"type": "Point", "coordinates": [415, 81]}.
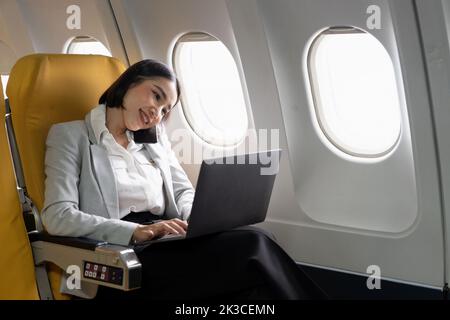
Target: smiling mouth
{"type": "Point", "coordinates": [144, 117]}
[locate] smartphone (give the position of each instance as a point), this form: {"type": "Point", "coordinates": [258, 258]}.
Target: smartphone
{"type": "Point", "coordinates": [146, 135]}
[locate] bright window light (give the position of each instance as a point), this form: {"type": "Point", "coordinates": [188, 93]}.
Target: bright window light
{"type": "Point", "coordinates": [355, 92]}
{"type": "Point", "coordinates": [87, 45]}
{"type": "Point", "coordinates": [212, 97]}
{"type": "Point", "coordinates": [4, 79]}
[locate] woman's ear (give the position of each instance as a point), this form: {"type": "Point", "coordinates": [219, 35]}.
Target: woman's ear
{"type": "Point", "coordinates": [146, 135]}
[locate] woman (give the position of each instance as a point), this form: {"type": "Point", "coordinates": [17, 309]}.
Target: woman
{"type": "Point", "coordinates": [113, 174]}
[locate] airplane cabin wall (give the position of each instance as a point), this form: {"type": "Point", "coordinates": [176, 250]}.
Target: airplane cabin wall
{"type": "Point", "coordinates": [14, 38]}
{"type": "Point", "coordinates": [399, 187]}
{"type": "Point", "coordinates": [40, 26]}
{"type": "Point", "coordinates": [434, 18]}
{"type": "Point", "coordinates": [267, 113]}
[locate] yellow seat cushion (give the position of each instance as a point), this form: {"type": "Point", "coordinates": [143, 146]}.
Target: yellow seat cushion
{"type": "Point", "coordinates": [17, 278]}
{"type": "Point", "coordinates": [45, 89]}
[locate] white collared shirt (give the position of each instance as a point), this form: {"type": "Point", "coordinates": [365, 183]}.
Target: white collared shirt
{"type": "Point", "coordinates": [138, 180]}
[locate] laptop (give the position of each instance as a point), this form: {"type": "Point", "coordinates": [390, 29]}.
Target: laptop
{"type": "Point", "coordinates": [231, 192]}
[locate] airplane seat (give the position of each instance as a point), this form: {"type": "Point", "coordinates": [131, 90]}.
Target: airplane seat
{"type": "Point", "coordinates": [16, 263]}
{"type": "Point", "coordinates": [45, 89]}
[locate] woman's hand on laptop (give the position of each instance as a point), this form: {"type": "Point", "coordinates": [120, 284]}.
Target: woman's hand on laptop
{"type": "Point", "coordinates": [159, 229]}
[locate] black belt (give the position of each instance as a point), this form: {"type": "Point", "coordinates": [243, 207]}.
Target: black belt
{"type": "Point", "coordinates": [143, 217]}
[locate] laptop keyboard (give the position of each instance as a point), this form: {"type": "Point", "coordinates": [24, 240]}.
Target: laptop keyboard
{"type": "Point", "coordinates": [167, 237]}
{"type": "Point", "coordinates": [171, 236]}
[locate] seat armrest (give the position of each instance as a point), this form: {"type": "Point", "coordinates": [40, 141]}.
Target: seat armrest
{"type": "Point", "coordinates": [120, 265]}
{"type": "Point", "coordinates": [82, 243]}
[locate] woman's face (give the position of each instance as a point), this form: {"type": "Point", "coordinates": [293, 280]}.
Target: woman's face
{"type": "Point", "coordinates": [146, 103]}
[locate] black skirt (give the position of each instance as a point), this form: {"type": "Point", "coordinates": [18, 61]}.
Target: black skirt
{"type": "Point", "coordinates": [244, 263]}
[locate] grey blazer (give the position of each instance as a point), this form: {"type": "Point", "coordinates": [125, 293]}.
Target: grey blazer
{"type": "Point", "coordinates": [81, 198]}
{"type": "Point", "coordinates": [80, 191]}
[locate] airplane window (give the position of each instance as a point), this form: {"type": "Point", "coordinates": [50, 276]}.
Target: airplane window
{"type": "Point", "coordinates": [212, 98]}
{"type": "Point", "coordinates": [87, 45]}
{"type": "Point", "coordinates": [4, 78]}
{"type": "Point", "coordinates": [354, 91]}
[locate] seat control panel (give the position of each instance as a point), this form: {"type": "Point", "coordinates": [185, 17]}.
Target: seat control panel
{"type": "Point", "coordinates": [103, 273]}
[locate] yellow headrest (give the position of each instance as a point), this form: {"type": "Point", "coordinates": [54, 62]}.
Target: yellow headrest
{"type": "Point", "coordinates": [44, 89]}
{"type": "Point", "coordinates": [17, 279]}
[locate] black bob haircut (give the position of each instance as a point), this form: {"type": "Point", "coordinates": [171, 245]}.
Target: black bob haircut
{"type": "Point", "coordinates": [134, 75]}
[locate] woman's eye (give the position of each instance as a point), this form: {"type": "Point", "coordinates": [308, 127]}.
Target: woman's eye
{"type": "Point", "coordinates": [157, 96]}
